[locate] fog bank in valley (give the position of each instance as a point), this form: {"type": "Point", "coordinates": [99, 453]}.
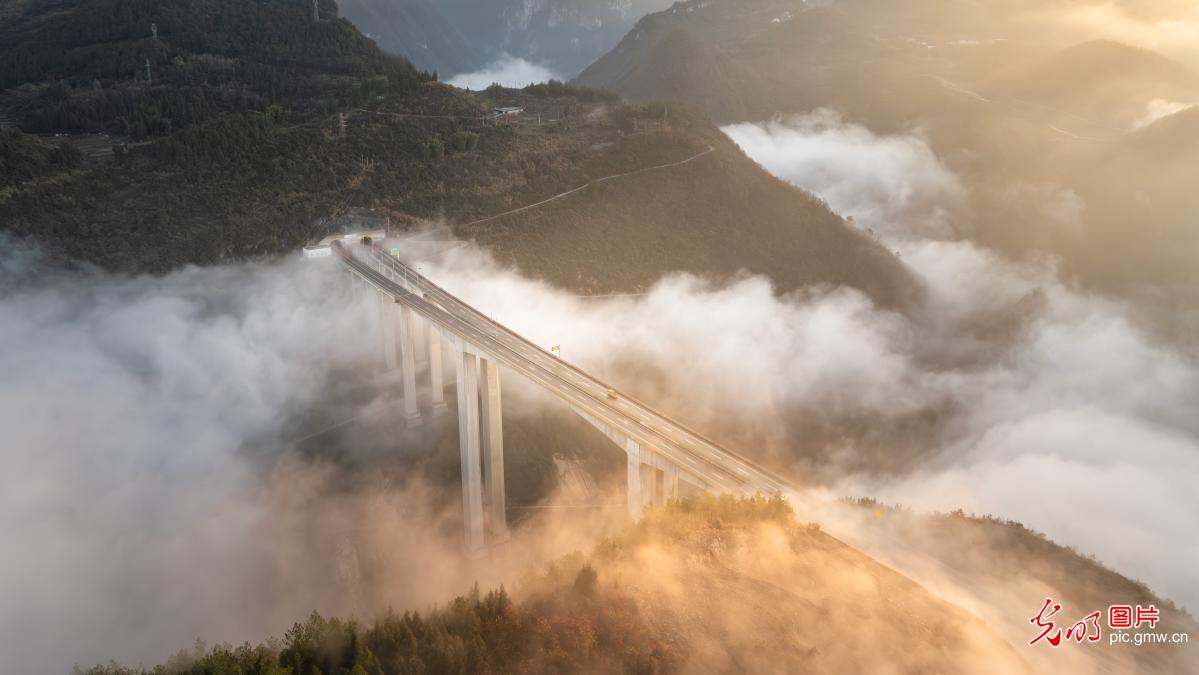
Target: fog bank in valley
{"type": "Point", "coordinates": [507, 71]}
{"type": "Point", "coordinates": [1062, 401]}
{"type": "Point", "coordinates": [1044, 400]}
{"type": "Point", "coordinates": [145, 500]}
{"type": "Point", "coordinates": [149, 496]}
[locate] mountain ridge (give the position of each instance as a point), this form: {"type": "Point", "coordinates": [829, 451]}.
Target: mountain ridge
{"type": "Point", "coordinates": [238, 148]}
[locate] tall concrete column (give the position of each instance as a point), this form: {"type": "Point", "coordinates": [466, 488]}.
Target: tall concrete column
{"type": "Point", "coordinates": [408, 357]}
{"type": "Point", "coordinates": [492, 431]}
{"type": "Point", "coordinates": [650, 485]}
{"type": "Point", "coordinates": [468, 440]}
{"type": "Point", "coordinates": [435, 370]}
{"type": "Point", "coordinates": [633, 453]}
{"type": "Point", "coordinates": [670, 484]}
{"type": "Point", "coordinates": [419, 338]}
{"type": "Point", "coordinates": [387, 329]}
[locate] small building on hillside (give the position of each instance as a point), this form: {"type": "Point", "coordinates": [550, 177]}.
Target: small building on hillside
{"type": "Point", "coordinates": [505, 112]}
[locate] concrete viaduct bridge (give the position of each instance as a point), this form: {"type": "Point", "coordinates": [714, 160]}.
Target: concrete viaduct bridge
{"type": "Point", "coordinates": [662, 453]}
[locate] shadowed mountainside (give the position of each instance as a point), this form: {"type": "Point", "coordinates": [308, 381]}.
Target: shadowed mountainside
{"type": "Point", "coordinates": [1005, 102]}
{"type": "Point", "coordinates": [244, 142]}
{"type": "Point", "coordinates": [456, 36]}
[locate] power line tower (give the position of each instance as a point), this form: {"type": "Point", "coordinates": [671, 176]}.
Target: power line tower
{"type": "Point", "coordinates": [149, 76]}
{"type": "Point", "coordinates": [154, 31]}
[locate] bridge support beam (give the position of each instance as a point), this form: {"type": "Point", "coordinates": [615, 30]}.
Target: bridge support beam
{"type": "Point", "coordinates": [387, 330]}
{"type": "Point", "coordinates": [670, 484]}
{"type": "Point", "coordinates": [481, 440]}
{"type": "Point", "coordinates": [404, 325]}
{"type": "Point", "coordinates": [436, 374]}
{"type": "Point", "coordinates": [634, 495]}
{"type": "Point", "coordinates": [492, 431]}
{"type": "Point", "coordinates": [468, 440]}
{"type": "Point", "coordinates": [420, 336]}
{"type": "Point", "coordinates": [650, 485]}
{"type": "Point", "coordinates": [652, 480]}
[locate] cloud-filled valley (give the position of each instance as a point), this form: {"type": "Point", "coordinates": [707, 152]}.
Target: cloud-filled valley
{"type": "Point", "coordinates": [1045, 399]}
{"type": "Point", "coordinates": [507, 71]}
{"type": "Point", "coordinates": [1036, 401]}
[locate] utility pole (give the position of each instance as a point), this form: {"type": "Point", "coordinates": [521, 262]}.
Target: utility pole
{"type": "Point", "coordinates": [149, 76]}
{"type": "Point", "coordinates": [316, 11]}
{"type": "Point", "coordinates": [154, 31]}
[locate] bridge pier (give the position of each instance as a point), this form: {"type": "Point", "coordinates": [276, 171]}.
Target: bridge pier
{"type": "Point", "coordinates": [419, 339]}
{"type": "Point", "coordinates": [395, 327]}
{"type": "Point", "coordinates": [650, 485]}
{"type": "Point", "coordinates": [404, 326]}
{"type": "Point", "coordinates": [670, 484]}
{"type": "Point", "coordinates": [387, 330]}
{"type": "Point", "coordinates": [652, 480]}
{"type": "Point", "coordinates": [481, 446]}
{"type": "Point", "coordinates": [468, 442]}
{"type": "Point", "coordinates": [633, 492]}
{"type": "Point", "coordinates": [657, 480]}
{"type": "Point", "coordinates": [436, 374]}
{"type": "Point", "coordinates": [491, 421]}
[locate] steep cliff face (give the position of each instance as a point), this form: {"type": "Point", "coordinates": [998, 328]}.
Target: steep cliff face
{"type": "Point", "coordinates": [417, 29]}
{"type": "Point", "coordinates": [458, 36]}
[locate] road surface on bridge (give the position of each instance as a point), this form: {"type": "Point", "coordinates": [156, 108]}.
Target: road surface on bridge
{"type": "Point", "coordinates": [701, 460]}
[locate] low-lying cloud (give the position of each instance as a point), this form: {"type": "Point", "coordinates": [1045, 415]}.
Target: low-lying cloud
{"type": "Point", "coordinates": [131, 519]}
{"type": "Point", "coordinates": [1046, 401]}
{"type": "Point", "coordinates": [1076, 405]}
{"type": "Point", "coordinates": [145, 498]}
{"type": "Point", "coordinates": [894, 185]}
{"type": "Point", "coordinates": [155, 488]}
{"type": "Point", "coordinates": [507, 71]}
{"type": "Point", "coordinates": [1013, 393]}
{"type": "Point", "coordinates": [1158, 109]}
{"type": "Point", "coordinates": [137, 515]}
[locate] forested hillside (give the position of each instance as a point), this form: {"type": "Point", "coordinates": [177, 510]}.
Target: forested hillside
{"type": "Point", "coordinates": [240, 129]}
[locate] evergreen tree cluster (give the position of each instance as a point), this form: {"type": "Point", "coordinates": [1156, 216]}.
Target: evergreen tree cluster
{"type": "Point", "coordinates": [24, 157]}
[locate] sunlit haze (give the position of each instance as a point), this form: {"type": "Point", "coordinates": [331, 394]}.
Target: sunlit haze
{"type": "Point", "coordinates": [376, 337]}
